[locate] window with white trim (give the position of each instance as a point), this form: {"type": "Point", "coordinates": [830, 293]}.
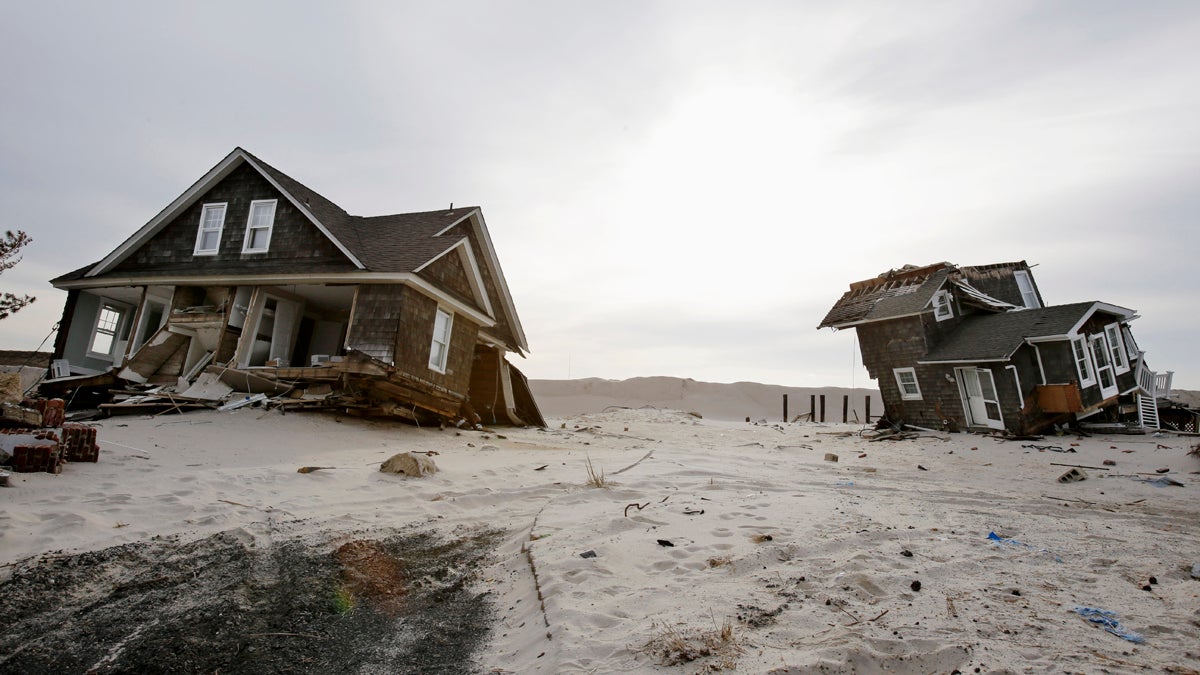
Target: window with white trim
{"type": "Point", "coordinates": [259, 225]}
{"type": "Point", "coordinates": [1083, 362]}
{"type": "Point", "coordinates": [942, 306]}
{"type": "Point", "coordinates": [906, 379]}
{"type": "Point", "coordinates": [107, 331]}
{"type": "Point", "coordinates": [208, 236]}
{"type": "Point", "coordinates": [1029, 296]}
{"type": "Point", "coordinates": [1120, 358]}
{"type": "Point", "coordinates": [439, 351]}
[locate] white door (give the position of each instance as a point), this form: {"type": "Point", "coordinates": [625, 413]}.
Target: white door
{"type": "Point", "coordinates": [1105, 375]}
{"type": "Point", "coordinates": [979, 395]}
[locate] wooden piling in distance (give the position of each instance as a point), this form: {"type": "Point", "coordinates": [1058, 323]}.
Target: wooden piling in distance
{"type": "Point", "coordinates": [868, 408]}
{"type": "Point", "coordinates": [845, 408]}
{"type": "Point", "coordinates": [812, 407]}
{"type": "Point", "coordinates": [785, 417]}
{"type": "Point", "coordinates": [822, 407]}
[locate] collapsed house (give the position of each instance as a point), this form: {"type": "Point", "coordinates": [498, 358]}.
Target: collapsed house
{"type": "Point", "coordinates": [976, 348]}
{"type": "Point", "coordinates": [251, 282]}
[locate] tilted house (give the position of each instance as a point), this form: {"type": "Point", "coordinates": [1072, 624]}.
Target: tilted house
{"type": "Point", "coordinates": [252, 272]}
{"type": "Point", "coordinates": [976, 348]}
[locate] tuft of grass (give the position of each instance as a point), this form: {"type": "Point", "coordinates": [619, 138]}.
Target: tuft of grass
{"type": "Point", "coordinates": [674, 647]}
{"type": "Point", "coordinates": [343, 601]}
{"type": "Point", "coordinates": [720, 561]}
{"type": "Point", "coordinates": [595, 479]}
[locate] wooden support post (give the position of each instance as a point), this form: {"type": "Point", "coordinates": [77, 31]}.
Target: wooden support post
{"type": "Point", "coordinates": [845, 408]}
{"type": "Point", "coordinates": [812, 408]}
{"type": "Point", "coordinates": [868, 408]}
{"type": "Point", "coordinates": [785, 417]}
{"type": "Point", "coordinates": [822, 407]}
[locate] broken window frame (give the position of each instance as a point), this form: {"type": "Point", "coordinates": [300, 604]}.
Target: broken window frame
{"type": "Point", "coordinates": [267, 205]}
{"type": "Point", "coordinates": [215, 227]}
{"type": "Point", "coordinates": [439, 348]}
{"type": "Point", "coordinates": [943, 305]}
{"type": "Point", "coordinates": [1029, 296]}
{"type": "Point", "coordinates": [1083, 361]}
{"type": "Point", "coordinates": [114, 333]}
{"type": "Point", "coordinates": [909, 390]}
{"type": "Point", "coordinates": [1120, 358]}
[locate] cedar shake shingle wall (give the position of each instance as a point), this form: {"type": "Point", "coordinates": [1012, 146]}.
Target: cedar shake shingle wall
{"type": "Point", "coordinates": [414, 338]}
{"type": "Point", "coordinates": [293, 237]}
{"type": "Point", "coordinates": [448, 274]}
{"type": "Point", "coordinates": [886, 345]}
{"type": "Point", "coordinates": [377, 312]}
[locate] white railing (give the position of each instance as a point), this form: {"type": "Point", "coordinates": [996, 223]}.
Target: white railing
{"type": "Point", "coordinates": [1146, 378]}
{"type": "Point", "coordinates": [1162, 383]}
{"type": "Point", "coordinates": [1155, 385]}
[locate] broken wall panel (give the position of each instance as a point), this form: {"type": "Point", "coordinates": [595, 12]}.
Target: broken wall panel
{"type": "Point", "coordinates": [486, 394]}
{"type": "Point", "coordinates": [523, 401]}
{"type": "Point", "coordinates": [375, 321]}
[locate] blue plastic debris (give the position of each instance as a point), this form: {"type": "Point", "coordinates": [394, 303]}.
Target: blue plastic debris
{"type": "Point", "coordinates": [1107, 620]}
{"type": "Point", "coordinates": [1005, 541]}
{"type": "Point", "coordinates": [1163, 481]}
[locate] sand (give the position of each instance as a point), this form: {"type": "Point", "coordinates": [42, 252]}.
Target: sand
{"type": "Point", "coordinates": [711, 543]}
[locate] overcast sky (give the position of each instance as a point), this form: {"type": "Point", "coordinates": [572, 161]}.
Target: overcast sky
{"type": "Point", "coordinates": [673, 188]}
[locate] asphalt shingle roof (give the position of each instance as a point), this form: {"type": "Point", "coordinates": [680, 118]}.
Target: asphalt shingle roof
{"type": "Point", "coordinates": [400, 242]}
{"type": "Point", "coordinates": [991, 337]}
{"type": "Point", "coordinates": [887, 299]}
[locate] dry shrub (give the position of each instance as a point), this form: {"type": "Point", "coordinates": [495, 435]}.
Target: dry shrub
{"type": "Point", "coordinates": [720, 561]}
{"type": "Point", "coordinates": [595, 479]}
{"type": "Point", "coordinates": [675, 647]}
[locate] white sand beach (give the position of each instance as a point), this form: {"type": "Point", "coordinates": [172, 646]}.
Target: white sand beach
{"type": "Point", "coordinates": [712, 544]}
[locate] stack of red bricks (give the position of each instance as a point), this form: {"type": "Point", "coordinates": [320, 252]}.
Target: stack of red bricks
{"type": "Point", "coordinates": [53, 410]}
{"type": "Point", "coordinates": [35, 451]}
{"type": "Point", "coordinates": [79, 443]}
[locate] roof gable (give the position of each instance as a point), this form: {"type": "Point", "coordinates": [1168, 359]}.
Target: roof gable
{"type": "Point", "coordinates": [214, 176]}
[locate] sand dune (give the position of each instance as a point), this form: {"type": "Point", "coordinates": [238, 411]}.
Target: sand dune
{"type": "Point", "coordinates": [735, 401]}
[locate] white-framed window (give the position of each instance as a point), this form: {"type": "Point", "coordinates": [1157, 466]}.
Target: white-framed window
{"type": "Point", "coordinates": [107, 333]}
{"type": "Point", "coordinates": [1083, 362]}
{"type": "Point", "coordinates": [943, 307]}
{"type": "Point", "coordinates": [1029, 296]}
{"type": "Point", "coordinates": [439, 351]}
{"type": "Point", "coordinates": [208, 237]}
{"type": "Point", "coordinates": [1120, 359]}
{"type": "Point", "coordinates": [906, 379]}
{"type": "Point", "coordinates": [259, 225]}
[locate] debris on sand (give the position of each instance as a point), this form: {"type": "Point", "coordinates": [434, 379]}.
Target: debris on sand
{"type": "Point", "coordinates": [409, 464]}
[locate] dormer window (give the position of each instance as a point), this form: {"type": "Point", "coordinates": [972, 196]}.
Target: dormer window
{"type": "Point", "coordinates": [208, 237]}
{"type": "Point", "coordinates": [1029, 297]}
{"type": "Point", "coordinates": [942, 306]}
{"type": "Point", "coordinates": [259, 225]}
